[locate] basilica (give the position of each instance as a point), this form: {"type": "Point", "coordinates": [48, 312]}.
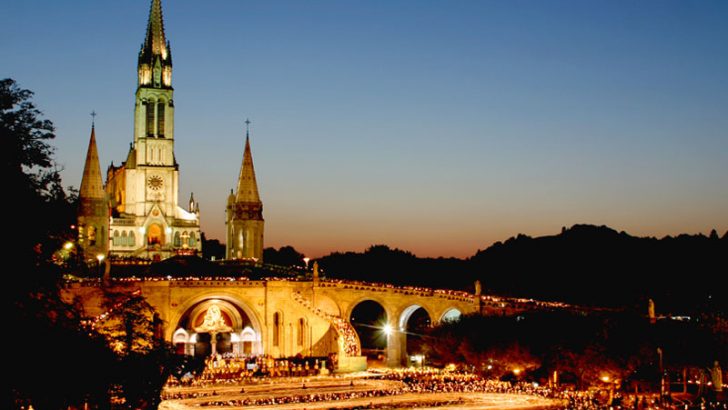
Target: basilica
{"type": "Point", "coordinates": [136, 215]}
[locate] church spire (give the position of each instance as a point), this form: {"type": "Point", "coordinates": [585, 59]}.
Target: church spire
{"type": "Point", "coordinates": [155, 57]}
{"type": "Point", "coordinates": [92, 186]}
{"type": "Point", "coordinates": [247, 185]}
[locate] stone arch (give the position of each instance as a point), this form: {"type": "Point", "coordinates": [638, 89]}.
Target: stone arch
{"type": "Point", "coordinates": [180, 336]}
{"type": "Point", "coordinates": [227, 308]}
{"type": "Point", "coordinates": [451, 313]}
{"type": "Point", "coordinates": [232, 311]}
{"type": "Point", "coordinates": [410, 337]}
{"type": "Point", "coordinates": [373, 331]}
{"type": "Point", "coordinates": [407, 312]}
{"type": "Point", "coordinates": [381, 302]}
{"type": "Point", "coordinates": [185, 306]}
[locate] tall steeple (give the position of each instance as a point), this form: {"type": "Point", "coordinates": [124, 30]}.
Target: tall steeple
{"type": "Point", "coordinates": [247, 185]}
{"type": "Point", "coordinates": [245, 212]}
{"type": "Point", "coordinates": [92, 185]}
{"type": "Point", "coordinates": [93, 208]}
{"type": "Point", "coordinates": [155, 57]}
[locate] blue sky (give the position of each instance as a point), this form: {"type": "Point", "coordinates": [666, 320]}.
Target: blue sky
{"type": "Point", "coordinates": [435, 126]}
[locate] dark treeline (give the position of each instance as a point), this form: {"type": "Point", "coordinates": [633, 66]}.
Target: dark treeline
{"type": "Point", "coordinates": [583, 349]}
{"type": "Point", "coordinates": [585, 264]}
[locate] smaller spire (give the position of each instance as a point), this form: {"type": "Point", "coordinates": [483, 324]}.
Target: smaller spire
{"type": "Point", "coordinates": [247, 185]}
{"type": "Point", "coordinates": [92, 186]}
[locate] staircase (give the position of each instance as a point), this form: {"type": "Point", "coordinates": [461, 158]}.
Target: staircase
{"type": "Point", "coordinates": [348, 338]}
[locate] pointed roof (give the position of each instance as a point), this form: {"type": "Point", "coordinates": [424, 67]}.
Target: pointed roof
{"type": "Point", "coordinates": [92, 185]}
{"type": "Point", "coordinates": [155, 43]}
{"type": "Point", "coordinates": [247, 185]}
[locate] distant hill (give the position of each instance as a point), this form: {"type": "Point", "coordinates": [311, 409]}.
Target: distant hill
{"type": "Point", "coordinates": [585, 264]}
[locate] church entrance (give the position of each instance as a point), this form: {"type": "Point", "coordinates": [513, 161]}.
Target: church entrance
{"type": "Point", "coordinates": [155, 235]}
{"type": "Point", "coordinates": [217, 326]}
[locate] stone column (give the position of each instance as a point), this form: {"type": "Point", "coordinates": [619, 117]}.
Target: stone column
{"type": "Point", "coordinates": [394, 346]}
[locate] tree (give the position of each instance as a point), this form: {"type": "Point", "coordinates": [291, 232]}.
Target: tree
{"type": "Point", "coordinates": [284, 256]}
{"type": "Point", "coordinates": [31, 175]}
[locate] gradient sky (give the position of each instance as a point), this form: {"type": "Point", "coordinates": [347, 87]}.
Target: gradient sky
{"type": "Point", "coordinates": [438, 127]}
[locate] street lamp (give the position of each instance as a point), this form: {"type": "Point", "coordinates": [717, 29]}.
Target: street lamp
{"type": "Point", "coordinates": [387, 329]}
{"type": "Point", "coordinates": [100, 257]}
{"type": "Point", "coordinates": [305, 260]}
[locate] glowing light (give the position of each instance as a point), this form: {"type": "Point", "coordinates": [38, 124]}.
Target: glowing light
{"type": "Point", "coordinates": [490, 367]}
{"type": "Point", "coordinates": [387, 329]}
{"type": "Point", "coordinates": [142, 230]}
{"type": "Point", "coordinates": [605, 379]}
{"type": "Point", "coordinates": [100, 257]}
{"type": "Point", "coordinates": [516, 371]}
{"type": "Point", "coordinates": [168, 230]}
{"type": "Point", "coordinates": [67, 246]}
{"type": "Point", "coordinates": [305, 260]}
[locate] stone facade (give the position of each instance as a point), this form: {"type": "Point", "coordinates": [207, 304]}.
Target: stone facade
{"type": "Point", "coordinates": [146, 221]}
{"type": "Point", "coordinates": [281, 318]}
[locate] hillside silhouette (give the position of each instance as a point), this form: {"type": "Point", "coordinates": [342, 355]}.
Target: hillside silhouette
{"type": "Point", "coordinates": [585, 264]}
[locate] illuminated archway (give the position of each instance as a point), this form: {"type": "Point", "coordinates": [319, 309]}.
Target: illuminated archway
{"type": "Point", "coordinates": [450, 315]}
{"type": "Point", "coordinates": [369, 319]}
{"type": "Point", "coordinates": [238, 332]}
{"type": "Point", "coordinates": [413, 323]}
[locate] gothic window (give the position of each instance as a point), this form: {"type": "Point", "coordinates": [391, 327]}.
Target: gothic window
{"type": "Point", "coordinates": [124, 239]}
{"type": "Point", "coordinates": [177, 241]}
{"type": "Point", "coordinates": [91, 233]}
{"type": "Point", "coordinates": [132, 238]}
{"type": "Point", "coordinates": [116, 238]}
{"type": "Point", "coordinates": [160, 119]}
{"type": "Point", "coordinates": [301, 330]}
{"type": "Point", "coordinates": [277, 324]}
{"type": "Point", "coordinates": [185, 238]}
{"type": "Point", "coordinates": [149, 107]}
{"type": "Point", "coordinates": [193, 240]}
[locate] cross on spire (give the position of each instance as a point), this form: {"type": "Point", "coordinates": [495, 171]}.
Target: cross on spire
{"type": "Point", "coordinates": [93, 118]}
{"type": "Point", "coordinates": [247, 127]}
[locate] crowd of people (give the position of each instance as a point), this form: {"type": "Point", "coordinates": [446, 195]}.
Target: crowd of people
{"type": "Point", "coordinates": [231, 369]}
{"type": "Point", "coordinates": [428, 380]}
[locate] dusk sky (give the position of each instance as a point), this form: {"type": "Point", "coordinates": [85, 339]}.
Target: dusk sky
{"type": "Point", "coordinates": [437, 127]}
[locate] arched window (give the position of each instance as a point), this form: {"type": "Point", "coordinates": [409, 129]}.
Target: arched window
{"type": "Point", "coordinates": [116, 238]}
{"type": "Point", "coordinates": [124, 239]}
{"type": "Point", "coordinates": [193, 240]}
{"type": "Point", "coordinates": [150, 118]}
{"type": "Point", "coordinates": [160, 119]}
{"type": "Point", "coordinates": [132, 238]}
{"type": "Point", "coordinates": [177, 241]}
{"type": "Point", "coordinates": [301, 331]}
{"type": "Point", "coordinates": [185, 238]}
{"type": "Point", "coordinates": [91, 233]}
{"type": "Point", "coordinates": [277, 324]}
